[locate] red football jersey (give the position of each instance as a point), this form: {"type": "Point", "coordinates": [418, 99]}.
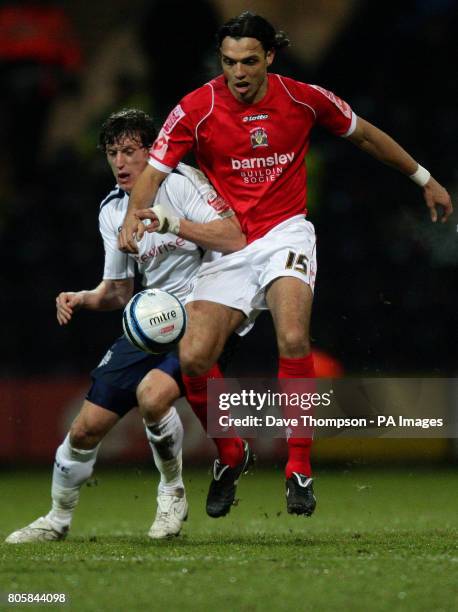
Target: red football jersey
{"type": "Point", "coordinates": [253, 154]}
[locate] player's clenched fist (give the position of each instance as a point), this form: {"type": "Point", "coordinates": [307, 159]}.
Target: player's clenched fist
{"type": "Point", "coordinates": [67, 303]}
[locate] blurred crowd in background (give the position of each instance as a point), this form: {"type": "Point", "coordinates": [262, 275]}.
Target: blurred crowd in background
{"type": "Point", "coordinates": [386, 297]}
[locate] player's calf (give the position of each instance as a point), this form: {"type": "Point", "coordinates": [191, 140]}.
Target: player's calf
{"type": "Point", "coordinates": [91, 425]}
{"type": "Point", "coordinates": [166, 440]}
{"type": "Point", "coordinates": [164, 430]}
{"type": "Point", "coordinates": [72, 468]}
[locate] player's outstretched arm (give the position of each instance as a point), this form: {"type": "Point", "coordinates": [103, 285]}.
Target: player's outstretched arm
{"type": "Point", "coordinates": [222, 235]}
{"type": "Point", "coordinates": [108, 295]}
{"type": "Point", "coordinates": [377, 143]}
{"type": "Point", "coordinates": [142, 195]}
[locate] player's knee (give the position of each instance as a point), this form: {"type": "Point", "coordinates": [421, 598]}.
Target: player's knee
{"type": "Point", "coordinates": [194, 362]}
{"type": "Point", "coordinates": [293, 342]}
{"type": "Point", "coordinates": [84, 437]}
{"type": "Point", "coordinates": [153, 402]}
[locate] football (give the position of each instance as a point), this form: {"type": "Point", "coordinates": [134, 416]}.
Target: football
{"type": "Point", "coordinates": [154, 321]}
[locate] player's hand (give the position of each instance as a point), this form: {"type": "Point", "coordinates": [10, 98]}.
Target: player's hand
{"type": "Point", "coordinates": [67, 303]}
{"type": "Point", "coordinates": [147, 222]}
{"type": "Point", "coordinates": [437, 197]}
{"type": "Point", "coordinates": [159, 219]}
{"type": "Point", "coordinates": [127, 237]}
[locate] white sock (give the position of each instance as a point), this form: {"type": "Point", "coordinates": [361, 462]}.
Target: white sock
{"type": "Point", "coordinates": [166, 440]}
{"type": "Point", "coordinates": [72, 468]}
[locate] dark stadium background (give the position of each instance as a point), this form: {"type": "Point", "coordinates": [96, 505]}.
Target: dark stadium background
{"type": "Point", "coordinates": [386, 298]}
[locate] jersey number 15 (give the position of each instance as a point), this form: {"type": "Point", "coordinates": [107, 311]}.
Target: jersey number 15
{"type": "Point", "coordinates": [297, 262]}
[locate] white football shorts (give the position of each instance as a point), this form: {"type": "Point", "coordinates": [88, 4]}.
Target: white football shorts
{"type": "Point", "coordinates": [240, 279]}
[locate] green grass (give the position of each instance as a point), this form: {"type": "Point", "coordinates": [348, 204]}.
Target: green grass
{"type": "Point", "coordinates": [380, 540]}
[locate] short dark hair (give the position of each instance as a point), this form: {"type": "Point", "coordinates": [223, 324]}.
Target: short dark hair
{"type": "Point", "coordinates": [250, 25]}
{"type": "Point", "coordinates": [128, 122]}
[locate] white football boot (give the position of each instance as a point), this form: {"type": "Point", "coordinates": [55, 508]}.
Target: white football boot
{"type": "Point", "coordinates": [172, 511]}
{"type": "Point", "coordinates": [41, 530]}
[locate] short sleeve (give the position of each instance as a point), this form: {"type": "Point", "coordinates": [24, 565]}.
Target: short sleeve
{"type": "Point", "coordinates": [332, 112]}
{"type": "Point", "coordinates": [117, 265]}
{"type": "Point", "coordinates": [187, 200]}
{"type": "Point", "coordinates": [177, 135]}
{"type": "Point", "coordinates": [205, 196]}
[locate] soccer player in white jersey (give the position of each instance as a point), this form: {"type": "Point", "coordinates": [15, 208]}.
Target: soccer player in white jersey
{"type": "Point", "coordinates": [127, 377]}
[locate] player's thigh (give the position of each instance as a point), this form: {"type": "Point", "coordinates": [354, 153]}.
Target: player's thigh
{"type": "Point", "coordinates": [290, 302]}
{"type": "Point", "coordinates": [118, 376]}
{"type": "Point", "coordinates": [209, 326]}
{"type": "Point", "coordinates": [91, 425]}
{"type": "Point", "coordinates": [156, 392]}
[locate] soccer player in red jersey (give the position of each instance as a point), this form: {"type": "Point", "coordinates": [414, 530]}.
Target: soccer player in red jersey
{"type": "Point", "coordinates": [249, 131]}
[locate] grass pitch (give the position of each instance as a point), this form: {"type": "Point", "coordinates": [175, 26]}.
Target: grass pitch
{"type": "Point", "coordinates": [379, 540]}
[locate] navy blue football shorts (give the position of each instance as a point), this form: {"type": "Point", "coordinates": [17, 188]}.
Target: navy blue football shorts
{"type": "Point", "coordinates": [116, 378]}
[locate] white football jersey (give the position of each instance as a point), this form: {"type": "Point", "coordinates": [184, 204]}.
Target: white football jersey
{"type": "Point", "coordinates": [165, 261]}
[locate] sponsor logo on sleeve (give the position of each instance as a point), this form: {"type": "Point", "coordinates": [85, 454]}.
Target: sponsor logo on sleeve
{"type": "Point", "coordinates": [175, 115]}
{"type": "Point", "coordinates": [341, 104]}
{"type": "Point", "coordinates": [160, 145]}
{"type": "Point", "coordinates": [219, 204]}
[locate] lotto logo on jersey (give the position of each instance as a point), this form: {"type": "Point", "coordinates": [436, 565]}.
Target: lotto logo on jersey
{"type": "Point", "coordinates": [175, 115]}
{"type": "Point", "coordinates": [258, 137]}
{"type": "Point", "coordinates": [260, 117]}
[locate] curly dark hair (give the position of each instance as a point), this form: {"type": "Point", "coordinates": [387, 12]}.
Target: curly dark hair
{"type": "Point", "coordinates": [128, 122]}
{"type": "Point", "coordinates": [250, 25]}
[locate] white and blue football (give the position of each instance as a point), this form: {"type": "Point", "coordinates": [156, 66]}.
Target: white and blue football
{"type": "Point", "coordinates": [154, 321]}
